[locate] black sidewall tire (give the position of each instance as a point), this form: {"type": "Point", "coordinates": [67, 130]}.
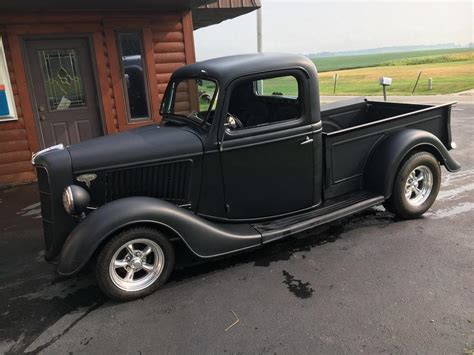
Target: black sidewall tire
{"type": "Point", "coordinates": [102, 267]}
{"type": "Point", "coordinates": [398, 203]}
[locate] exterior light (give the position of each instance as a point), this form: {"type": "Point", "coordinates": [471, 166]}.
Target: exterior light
{"type": "Point", "coordinates": [75, 200]}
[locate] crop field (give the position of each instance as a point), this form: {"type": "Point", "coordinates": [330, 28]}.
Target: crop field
{"type": "Point", "coordinates": [325, 64]}
{"type": "Point", "coordinates": [450, 72]}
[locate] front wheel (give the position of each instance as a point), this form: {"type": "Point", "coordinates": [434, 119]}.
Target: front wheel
{"type": "Point", "coordinates": [416, 186]}
{"type": "Point", "coordinates": [134, 263]}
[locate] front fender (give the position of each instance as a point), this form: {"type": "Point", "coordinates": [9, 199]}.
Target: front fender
{"type": "Point", "coordinates": [204, 238]}
{"type": "Point", "coordinates": [389, 153]}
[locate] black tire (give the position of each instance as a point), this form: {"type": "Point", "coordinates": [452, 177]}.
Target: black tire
{"type": "Point", "coordinates": [400, 204]}
{"type": "Point", "coordinates": [115, 245]}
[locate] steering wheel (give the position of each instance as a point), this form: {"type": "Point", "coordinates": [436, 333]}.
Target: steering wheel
{"type": "Point", "coordinates": [233, 122]}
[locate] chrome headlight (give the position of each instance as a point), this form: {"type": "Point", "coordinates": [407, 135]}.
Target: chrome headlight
{"type": "Point", "coordinates": [75, 199]}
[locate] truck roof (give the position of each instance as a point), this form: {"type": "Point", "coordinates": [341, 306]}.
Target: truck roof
{"type": "Point", "coordinates": [226, 69]}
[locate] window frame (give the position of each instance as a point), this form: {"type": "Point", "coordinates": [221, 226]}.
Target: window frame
{"type": "Point", "coordinates": [131, 120]}
{"type": "Point", "coordinates": [173, 85]}
{"type": "Point", "coordinates": [13, 115]}
{"type": "Point", "coordinates": [299, 74]}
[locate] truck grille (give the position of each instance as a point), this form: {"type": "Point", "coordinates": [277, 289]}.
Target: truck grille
{"type": "Point", "coordinates": [169, 181]}
{"type": "Point", "coordinates": [46, 204]}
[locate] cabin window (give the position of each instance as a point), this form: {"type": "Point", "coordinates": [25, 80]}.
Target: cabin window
{"type": "Point", "coordinates": [7, 102]}
{"type": "Point", "coordinates": [134, 75]}
{"type": "Point", "coordinates": [193, 99]}
{"type": "Point", "coordinates": [284, 86]}
{"type": "Point", "coordinates": [266, 101]}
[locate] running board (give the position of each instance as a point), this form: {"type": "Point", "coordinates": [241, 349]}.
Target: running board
{"type": "Point", "coordinates": [281, 228]}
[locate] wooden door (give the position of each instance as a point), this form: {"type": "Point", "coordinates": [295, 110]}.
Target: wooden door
{"type": "Point", "coordinates": [63, 85]}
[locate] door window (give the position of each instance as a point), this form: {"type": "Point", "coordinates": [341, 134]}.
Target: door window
{"type": "Point", "coordinates": [260, 102]}
{"type": "Point", "coordinates": [62, 80]}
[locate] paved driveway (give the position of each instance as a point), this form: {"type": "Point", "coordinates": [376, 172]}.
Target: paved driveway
{"type": "Point", "coordinates": [369, 283]}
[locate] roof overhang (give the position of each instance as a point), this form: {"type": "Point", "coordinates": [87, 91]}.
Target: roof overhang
{"type": "Point", "coordinates": [162, 5]}
{"type": "Point", "coordinates": [222, 10]}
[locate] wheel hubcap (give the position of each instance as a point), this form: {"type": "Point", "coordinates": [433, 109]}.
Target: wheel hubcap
{"type": "Point", "coordinates": [419, 185]}
{"type": "Point", "coordinates": [136, 265]}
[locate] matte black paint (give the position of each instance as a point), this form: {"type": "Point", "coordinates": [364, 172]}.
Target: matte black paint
{"type": "Point", "coordinates": [357, 130]}
{"type": "Point", "coordinates": [204, 238]}
{"type": "Point", "coordinates": [54, 174]}
{"type": "Point", "coordinates": [139, 146]}
{"type": "Point", "coordinates": [246, 187]}
{"type": "Point", "coordinates": [391, 152]}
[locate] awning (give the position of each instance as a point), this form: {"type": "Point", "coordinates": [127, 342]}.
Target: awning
{"type": "Point", "coordinates": [222, 10]}
{"type": "Point", "coordinates": [57, 5]}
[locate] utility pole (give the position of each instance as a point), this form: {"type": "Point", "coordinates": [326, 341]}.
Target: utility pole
{"type": "Point", "coordinates": [259, 31]}
{"type": "Point", "coordinates": [259, 87]}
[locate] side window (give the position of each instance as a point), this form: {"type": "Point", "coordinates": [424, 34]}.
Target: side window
{"type": "Point", "coordinates": [261, 102]}
{"type": "Point", "coordinates": [133, 71]}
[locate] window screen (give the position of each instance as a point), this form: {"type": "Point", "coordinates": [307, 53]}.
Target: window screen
{"type": "Point", "coordinates": [134, 75]}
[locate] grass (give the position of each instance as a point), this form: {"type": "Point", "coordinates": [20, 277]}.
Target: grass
{"type": "Point", "coordinates": [325, 64]}
{"type": "Point", "coordinates": [451, 72]}
{"type": "Point", "coordinates": [447, 78]}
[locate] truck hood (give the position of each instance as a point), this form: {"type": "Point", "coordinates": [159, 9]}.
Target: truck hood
{"type": "Point", "coordinates": [138, 146]}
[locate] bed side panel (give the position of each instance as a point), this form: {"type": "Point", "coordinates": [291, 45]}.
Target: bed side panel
{"type": "Point", "coordinates": [347, 151]}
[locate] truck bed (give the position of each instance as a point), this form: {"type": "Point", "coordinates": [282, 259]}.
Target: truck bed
{"type": "Point", "coordinates": [351, 130]}
{"type": "Point", "coordinates": [347, 114]}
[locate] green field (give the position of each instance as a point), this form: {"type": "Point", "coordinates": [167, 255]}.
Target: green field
{"type": "Point", "coordinates": [325, 64]}
{"type": "Point", "coordinates": [451, 71]}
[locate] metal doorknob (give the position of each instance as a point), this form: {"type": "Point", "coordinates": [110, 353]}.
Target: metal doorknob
{"type": "Point", "coordinates": [41, 108]}
{"type": "Point", "coordinates": [42, 117]}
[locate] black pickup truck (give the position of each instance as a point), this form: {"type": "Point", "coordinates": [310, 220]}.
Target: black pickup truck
{"type": "Point", "coordinates": [244, 155]}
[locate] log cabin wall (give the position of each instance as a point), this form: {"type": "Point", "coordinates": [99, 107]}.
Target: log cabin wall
{"type": "Point", "coordinates": [167, 45]}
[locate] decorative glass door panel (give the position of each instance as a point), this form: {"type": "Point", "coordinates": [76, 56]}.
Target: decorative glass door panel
{"type": "Point", "coordinates": [62, 79]}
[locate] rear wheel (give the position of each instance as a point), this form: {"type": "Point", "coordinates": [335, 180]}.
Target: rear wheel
{"type": "Point", "coordinates": [135, 263]}
{"type": "Point", "coordinates": [416, 186]}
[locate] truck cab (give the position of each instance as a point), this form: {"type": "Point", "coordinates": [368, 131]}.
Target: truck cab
{"type": "Point", "coordinates": [244, 155]}
{"type": "Point", "coordinates": [260, 147]}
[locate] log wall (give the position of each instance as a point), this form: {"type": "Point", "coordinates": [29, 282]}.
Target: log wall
{"type": "Point", "coordinates": [167, 45]}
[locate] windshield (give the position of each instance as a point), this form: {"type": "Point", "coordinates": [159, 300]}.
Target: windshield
{"type": "Point", "coordinates": [191, 98]}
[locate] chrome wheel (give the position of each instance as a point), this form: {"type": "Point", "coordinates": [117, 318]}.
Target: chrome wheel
{"type": "Point", "coordinates": [418, 185]}
{"type": "Point", "coordinates": [136, 265]}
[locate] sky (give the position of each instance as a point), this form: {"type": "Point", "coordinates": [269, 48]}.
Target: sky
{"type": "Point", "coordinates": [317, 26]}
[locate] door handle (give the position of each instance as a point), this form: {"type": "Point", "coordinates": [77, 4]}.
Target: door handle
{"type": "Point", "coordinates": [42, 117]}
{"type": "Point", "coordinates": [307, 140]}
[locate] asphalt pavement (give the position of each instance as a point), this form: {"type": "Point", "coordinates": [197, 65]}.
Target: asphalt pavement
{"type": "Point", "coordinates": [369, 283]}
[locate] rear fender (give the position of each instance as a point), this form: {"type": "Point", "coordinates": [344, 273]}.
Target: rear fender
{"type": "Point", "coordinates": [391, 151]}
{"type": "Point", "coordinates": [204, 238]}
